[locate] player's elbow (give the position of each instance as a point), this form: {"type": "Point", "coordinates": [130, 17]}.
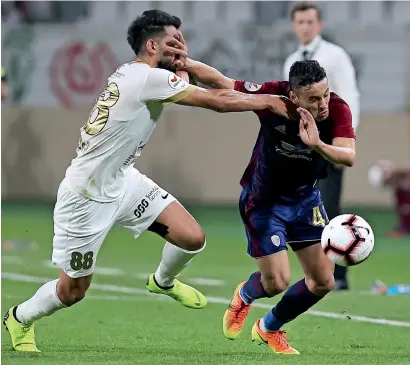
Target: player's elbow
{"type": "Point", "coordinates": [350, 160]}
{"type": "Point", "coordinates": [349, 163]}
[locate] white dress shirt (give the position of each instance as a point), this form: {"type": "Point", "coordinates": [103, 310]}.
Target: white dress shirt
{"type": "Point", "coordinates": [339, 68]}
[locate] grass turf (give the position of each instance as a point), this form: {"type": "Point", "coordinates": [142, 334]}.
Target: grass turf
{"type": "Point", "coordinates": [119, 328]}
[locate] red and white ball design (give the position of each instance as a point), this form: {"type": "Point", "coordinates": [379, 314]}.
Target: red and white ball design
{"type": "Point", "coordinates": [348, 240]}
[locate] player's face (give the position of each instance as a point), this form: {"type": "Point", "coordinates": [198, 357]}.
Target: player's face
{"type": "Point", "coordinates": [314, 98]}
{"type": "Point", "coordinates": [166, 58]}
{"type": "Point", "coordinates": [306, 25]}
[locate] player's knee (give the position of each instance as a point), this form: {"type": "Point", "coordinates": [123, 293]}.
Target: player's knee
{"type": "Point", "coordinates": [72, 291]}
{"type": "Point", "coordinates": [321, 286]}
{"type": "Point", "coordinates": [195, 240]}
{"type": "Point", "coordinates": [71, 296]}
{"type": "Point", "coordinates": [75, 296]}
{"type": "Point", "coordinates": [275, 284]}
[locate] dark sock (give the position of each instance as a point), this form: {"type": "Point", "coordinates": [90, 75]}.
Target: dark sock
{"type": "Point", "coordinates": [253, 289]}
{"type": "Point", "coordinates": [340, 272]}
{"type": "Point", "coordinates": [297, 300]}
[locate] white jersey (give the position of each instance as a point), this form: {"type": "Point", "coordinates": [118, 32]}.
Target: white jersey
{"type": "Point", "coordinates": [119, 126]}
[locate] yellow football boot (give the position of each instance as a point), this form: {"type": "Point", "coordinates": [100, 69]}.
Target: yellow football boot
{"type": "Point", "coordinates": [185, 294]}
{"type": "Point", "coordinates": [22, 336]}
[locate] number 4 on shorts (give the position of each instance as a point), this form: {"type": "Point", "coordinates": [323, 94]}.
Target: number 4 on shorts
{"type": "Point", "coordinates": [318, 219]}
{"type": "Point", "coordinates": [78, 261]}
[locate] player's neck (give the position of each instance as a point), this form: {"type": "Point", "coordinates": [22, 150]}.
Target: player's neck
{"type": "Point", "coordinates": [149, 61]}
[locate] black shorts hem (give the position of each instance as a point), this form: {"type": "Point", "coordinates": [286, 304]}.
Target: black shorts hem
{"type": "Point", "coordinates": [300, 245]}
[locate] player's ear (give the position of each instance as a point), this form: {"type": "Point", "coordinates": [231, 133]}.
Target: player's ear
{"type": "Point", "coordinates": [151, 46]}
{"type": "Point", "coordinates": [293, 97]}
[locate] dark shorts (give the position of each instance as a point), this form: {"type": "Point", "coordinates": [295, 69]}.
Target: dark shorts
{"type": "Point", "coordinates": [270, 228]}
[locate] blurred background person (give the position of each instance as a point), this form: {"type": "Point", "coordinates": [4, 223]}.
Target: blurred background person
{"type": "Point", "coordinates": [15, 12]}
{"type": "Point", "coordinates": [397, 177]}
{"type": "Point", "coordinates": [307, 25]}
{"type": "Point", "coordinates": [387, 174]}
{"type": "Point", "coordinates": [4, 85]}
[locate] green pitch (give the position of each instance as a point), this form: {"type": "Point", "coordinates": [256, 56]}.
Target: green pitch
{"type": "Point", "coordinates": [120, 323]}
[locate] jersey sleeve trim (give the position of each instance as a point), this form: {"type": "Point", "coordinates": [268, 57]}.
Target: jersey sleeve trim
{"type": "Point", "coordinates": [178, 97]}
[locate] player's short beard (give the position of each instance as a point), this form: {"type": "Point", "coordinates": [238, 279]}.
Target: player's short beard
{"type": "Point", "coordinates": [166, 65]}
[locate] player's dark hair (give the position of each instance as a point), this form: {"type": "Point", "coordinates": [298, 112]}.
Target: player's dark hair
{"type": "Point", "coordinates": [303, 6]}
{"type": "Point", "coordinates": [149, 24]}
{"type": "Point", "coordinates": [305, 73]}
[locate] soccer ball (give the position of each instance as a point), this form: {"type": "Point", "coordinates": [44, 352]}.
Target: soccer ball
{"type": "Point", "coordinates": [348, 240]}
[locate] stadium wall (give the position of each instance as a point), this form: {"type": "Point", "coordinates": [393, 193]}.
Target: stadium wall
{"type": "Point", "coordinates": [197, 155]}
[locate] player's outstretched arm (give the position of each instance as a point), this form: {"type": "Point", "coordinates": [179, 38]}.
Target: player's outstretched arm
{"type": "Point", "coordinates": [208, 75]}
{"type": "Point", "coordinates": [224, 101]}
{"type": "Point", "coordinates": [166, 87]}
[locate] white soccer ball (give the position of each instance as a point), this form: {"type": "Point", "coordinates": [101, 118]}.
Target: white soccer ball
{"type": "Point", "coordinates": [348, 240]}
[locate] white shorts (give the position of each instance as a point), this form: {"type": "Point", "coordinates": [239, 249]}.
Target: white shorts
{"type": "Point", "coordinates": [81, 224]}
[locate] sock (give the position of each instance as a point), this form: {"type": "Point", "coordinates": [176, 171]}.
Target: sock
{"type": "Point", "coordinates": [340, 272]}
{"type": "Point", "coordinates": [43, 303]}
{"type": "Point", "coordinates": [253, 289]}
{"type": "Point", "coordinates": [403, 207]}
{"type": "Point", "coordinates": [270, 323]}
{"type": "Point", "coordinates": [174, 260]}
{"type": "Point", "coordinates": [297, 300]}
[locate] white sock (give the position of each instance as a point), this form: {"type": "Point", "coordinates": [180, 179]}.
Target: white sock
{"type": "Point", "coordinates": [44, 303]}
{"type": "Point", "coordinates": [262, 325]}
{"type": "Point", "coordinates": [174, 260]}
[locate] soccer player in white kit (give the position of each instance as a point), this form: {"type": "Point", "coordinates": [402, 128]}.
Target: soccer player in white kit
{"type": "Point", "coordinates": [101, 187]}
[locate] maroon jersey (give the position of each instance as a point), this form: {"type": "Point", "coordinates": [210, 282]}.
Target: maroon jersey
{"type": "Point", "coordinates": [281, 164]}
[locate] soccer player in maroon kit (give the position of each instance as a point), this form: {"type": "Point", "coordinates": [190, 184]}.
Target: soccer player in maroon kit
{"type": "Point", "coordinates": [280, 205]}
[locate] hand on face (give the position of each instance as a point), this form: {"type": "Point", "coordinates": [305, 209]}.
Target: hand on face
{"type": "Point", "coordinates": [178, 48]}
{"type": "Point", "coordinates": [308, 130]}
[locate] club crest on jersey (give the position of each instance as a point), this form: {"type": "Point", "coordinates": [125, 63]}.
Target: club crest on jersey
{"type": "Point", "coordinates": [275, 240]}
{"type": "Point", "coordinates": [175, 81]}
{"type": "Point", "coordinates": [252, 87]}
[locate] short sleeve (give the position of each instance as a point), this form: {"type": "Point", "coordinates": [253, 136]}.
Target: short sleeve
{"type": "Point", "coordinates": [270, 87]}
{"type": "Point", "coordinates": [342, 118]}
{"type": "Point", "coordinates": [165, 87]}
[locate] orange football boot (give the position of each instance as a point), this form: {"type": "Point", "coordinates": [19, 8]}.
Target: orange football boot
{"type": "Point", "coordinates": [276, 341]}
{"type": "Point", "coordinates": [235, 315]}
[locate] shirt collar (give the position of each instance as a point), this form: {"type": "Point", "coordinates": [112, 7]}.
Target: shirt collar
{"type": "Point", "coordinates": [310, 47]}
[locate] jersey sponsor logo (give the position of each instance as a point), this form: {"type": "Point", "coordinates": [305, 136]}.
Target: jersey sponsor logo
{"type": "Point", "coordinates": [281, 129]}
{"type": "Point", "coordinates": [252, 87]}
{"type": "Point", "coordinates": [275, 240]}
{"type": "Point", "coordinates": [130, 160]}
{"type": "Point", "coordinates": [291, 151]}
{"type": "Point", "coordinates": [141, 208]}
{"type": "Point", "coordinates": [175, 82]}
{"type": "Point", "coordinates": [164, 196]}
{"type": "Point", "coordinates": [139, 149]}
{"type": "Point", "coordinates": [145, 202]}
{"type": "Point", "coordinates": [153, 193]}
